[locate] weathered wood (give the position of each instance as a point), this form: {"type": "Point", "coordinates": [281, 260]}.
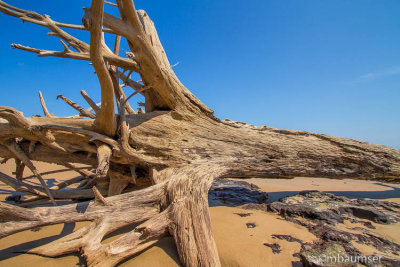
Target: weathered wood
{"type": "Point", "coordinates": [21, 186]}
{"type": "Point", "coordinates": [20, 154]}
{"type": "Point", "coordinates": [105, 121]}
{"type": "Point", "coordinates": [91, 103]}
{"type": "Point", "coordinates": [82, 171]}
{"type": "Point", "coordinates": [43, 103]}
{"type": "Point", "coordinates": [127, 81]}
{"type": "Point", "coordinates": [98, 197]}
{"type": "Point", "coordinates": [141, 206]}
{"type": "Point", "coordinates": [68, 182]}
{"type": "Point", "coordinates": [190, 215]}
{"type": "Point", "coordinates": [133, 173]}
{"type": "Point", "coordinates": [116, 185]}
{"type": "Point", "coordinates": [82, 112]}
{"type": "Point", "coordinates": [19, 169]}
{"type": "Point", "coordinates": [103, 160]}
{"type": "Point", "coordinates": [123, 62]}
{"type": "Point", "coordinates": [175, 149]}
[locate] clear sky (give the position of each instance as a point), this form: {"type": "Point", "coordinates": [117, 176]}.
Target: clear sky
{"type": "Point", "coordinates": [329, 67]}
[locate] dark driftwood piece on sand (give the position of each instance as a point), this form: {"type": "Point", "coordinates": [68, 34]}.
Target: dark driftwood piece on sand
{"type": "Point", "coordinates": [167, 157]}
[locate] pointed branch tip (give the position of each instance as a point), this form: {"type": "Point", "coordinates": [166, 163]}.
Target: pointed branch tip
{"type": "Point", "coordinates": [98, 197]}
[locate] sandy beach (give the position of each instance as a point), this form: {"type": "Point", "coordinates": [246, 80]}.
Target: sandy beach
{"type": "Point", "coordinates": [238, 244]}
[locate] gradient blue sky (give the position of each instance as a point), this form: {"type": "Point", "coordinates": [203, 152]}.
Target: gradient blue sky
{"type": "Point", "coordinates": [330, 67]}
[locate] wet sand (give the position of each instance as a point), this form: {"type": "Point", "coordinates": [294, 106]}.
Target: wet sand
{"type": "Point", "coordinates": [351, 188]}
{"type": "Point", "coordinates": [238, 244]}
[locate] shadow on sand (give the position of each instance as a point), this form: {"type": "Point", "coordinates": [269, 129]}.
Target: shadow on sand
{"type": "Point", "coordinates": [21, 248]}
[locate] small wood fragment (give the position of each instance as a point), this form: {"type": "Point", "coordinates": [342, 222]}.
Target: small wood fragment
{"type": "Point", "coordinates": [133, 173]}
{"type": "Point", "coordinates": [98, 197]}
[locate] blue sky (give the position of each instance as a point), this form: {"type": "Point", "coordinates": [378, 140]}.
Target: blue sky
{"type": "Point", "coordinates": [330, 67]}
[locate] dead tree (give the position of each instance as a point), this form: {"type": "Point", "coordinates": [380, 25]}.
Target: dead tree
{"type": "Point", "coordinates": [164, 158]}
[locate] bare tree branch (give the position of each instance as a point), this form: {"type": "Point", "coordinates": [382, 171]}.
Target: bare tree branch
{"type": "Point", "coordinates": [111, 3]}
{"type": "Point", "coordinates": [91, 103]}
{"type": "Point", "coordinates": [20, 186]}
{"type": "Point", "coordinates": [117, 44]}
{"type": "Point", "coordinates": [82, 112]}
{"type": "Point", "coordinates": [137, 92]}
{"type": "Point", "coordinates": [111, 58]}
{"type": "Point", "coordinates": [99, 197]}
{"type": "Point", "coordinates": [105, 121]}
{"type": "Point", "coordinates": [19, 169]}
{"type": "Point", "coordinates": [43, 103]}
{"type": "Point", "coordinates": [20, 154]}
{"type": "Point", "coordinates": [26, 15]}
{"type": "Point", "coordinates": [125, 78]}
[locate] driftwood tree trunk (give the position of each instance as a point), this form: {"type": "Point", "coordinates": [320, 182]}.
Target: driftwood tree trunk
{"type": "Point", "coordinates": [165, 159]}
